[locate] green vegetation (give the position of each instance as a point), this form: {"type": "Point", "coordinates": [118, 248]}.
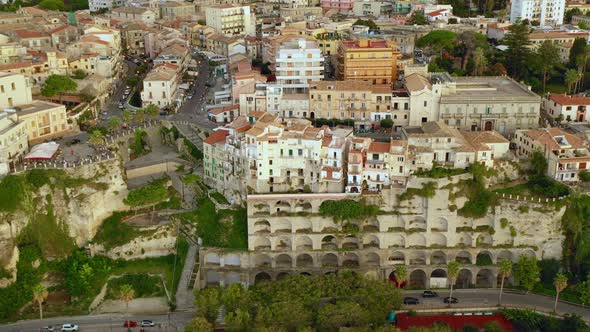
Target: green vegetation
{"type": "Point", "coordinates": [417, 18]}
{"type": "Point", "coordinates": [479, 198]}
{"type": "Point", "coordinates": [542, 187]}
{"type": "Point", "coordinates": [438, 40]}
{"type": "Point", "coordinates": [503, 222]}
{"type": "Point", "coordinates": [79, 74]}
{"type": "Point", "coordinates": [219, 198]}
{"type": "Point", "coordinates": [114, 232]}
{"type": "Point", "coordinates": [149, 195]}
{"type": "Point", "coordinates": [584, 176]}
{"type": "Point", "coordinates": [576, 228]}
{"type": "Point", "coordinates": [195, 153]}
{"type": "Point", "coordinates": [368, 23]}
{"type": "Point", "coordinates": [527, 272]}
{"type": "Point", "coordinates": [348, 209]}
{"type": "Point", "coordinates": [57, 84]}
{"type": "Point", "coordinates": [386, 123]}
{"type": "Point", "coordinates": [138, 143]}
{"type": "Point", "coordinates": [528, 320]}
{"type": "Point", "coordinates": [325, 303]}
{"type": "Point", "coordinates": [438, 172]}
{"type": "Point", "coordinates": [427, 191]}
{"type": "Point", "coordinates": [319, 122]}
{"type": "Point", "coordinates": [133, 81]}
{"type": "Point", "coordinates": [143, 285]}
{"type": "Point", "coordinates": [224, 228]}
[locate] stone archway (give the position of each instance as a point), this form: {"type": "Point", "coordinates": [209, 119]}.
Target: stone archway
{"type": "Point", "coordinates": [438, 278]}
{"type": "Point", "coordinates": [438, 258]}
{"type": "Point", "coordinates": [329, 243]}
{"type": "Point", "coordinates": [464, 279]}
{"type": "Point", "coordinates": [304, 260]}
{"type": "Point", "coordinates": [485, 279]}
{"type": "Point", "coordinates": [464, 257]}
{"type": "Point", "coordinates": [350, 260]}
{"type": "Point", "coordinates": [505, 254]}
{"type": "Point", "coordinates": [396, 241]}
{"type": "Point", "coordinates": [438, 240]}
{"type": "Point", "coordinates": [283, 275]}
{"type": "Point", "coordinates": [484, 258]}
{"type": "Point", "coordinates": [329, 260]}
{"type": "Point", "coordinates": [303, 243]}
{"type": "Point", "coordinates": [261, 243]}
{"type": "Point", "coordinates": [418, 258]}
{"type": "Point", "coordinates": [372, 259]}
{"type": "Point", "coordinates": [417, 279]}
{"type": "Point", "coordinates": [370, 241]}
{"type": "Point", "coordinates": [283, 243]}
{"type": "Point", "coordinates": [283, 261]}
{"type": "Point", "coordinates": [416, 240]}
{"type": "Point", "coordinates": [397, 257]}
{"type": "Point", "coordinates": [262, 277]}
{"type": "Point", "coordinates": [262, 260]}
{"type": "Point", "coordinates": [262, 227]}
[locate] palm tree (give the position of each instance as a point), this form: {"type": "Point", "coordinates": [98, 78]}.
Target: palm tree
{"type": "Point", "coordinates": [96, 138]}
{"type": "Point", "coordinates": [401, 274]}
{"type": "Point", "coordinates": [560, 283]}
{"type": "Point", "coordinates": [506, 270]}
{"type": "Point", "coordinates": [152, 111]}
{"type": "Point", "coordinates": [571, 77]}
{"type": "Point", "coordinates": [126, 293]}
{"type": "Point", "coordinates": [140, 115]}
{"type": "Point", "coordinates": [452, 272]}
{"type": "Point", "coordinates": [127, 116]}
{"type": "Point", "coordinates": [39, 295]}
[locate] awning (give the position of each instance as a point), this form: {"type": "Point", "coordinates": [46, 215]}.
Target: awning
{"type": "Point", "coordinates": [43, 151]}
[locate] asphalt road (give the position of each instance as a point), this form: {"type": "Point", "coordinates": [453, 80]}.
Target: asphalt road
{"type": "Point", "coordinates": [474, 298]}
{"type": "Point", "coordinates": [103, 322]}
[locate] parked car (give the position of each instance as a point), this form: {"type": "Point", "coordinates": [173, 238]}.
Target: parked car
{"type": "Point", "coordinates": [130, 323]}
{"type": "Point", "coordinates": [69, 327]}
{"type": "Point", "coordinates": [147, 323]}
{"type": "Point", "coordinates": [121, 106]}
{"type": "Point", "coordinates": [449, 299]}
{"type": "Point", "coordinates": [163, 113]}
{"type": "Point", "coordinates": [75, 141]}
{"type": "Point", "coordinates": [190, 97]}
{"type": "Point", "coordinates": [49, 328]}
{"type": "Point", "coordinates": [411, 300]}
{"type": "Point", "coordinates": [428, 293]}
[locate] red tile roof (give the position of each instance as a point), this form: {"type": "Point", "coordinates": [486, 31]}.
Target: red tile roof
{"type": "Point", "coordinates": [563, 99]}
{"type": "Point", "coordinates": [28, 34]}
{"type": "Point", "coordinates": [379, 147]}
{"type": "Point", "coordinates": [58, 29]}
{"type": "Point", "coordinates": [219, 110]}
{"type": "Point", "coordinates": [436, 13]}
{"type": "Point", "coordinates": [217, 136]}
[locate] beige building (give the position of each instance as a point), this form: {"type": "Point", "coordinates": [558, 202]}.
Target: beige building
{"type": "Point", "coordinates": [134, 14]}
{"type": "Point", "coordinates": [160, 86]}
{"type": "Point", "coordinates": [231, 20]}
{"type": "Point", "coordinates": [368, 60]}
{"type": "Point", "coordinates": [133, 36]}
{"type": "Point", "coordinates": [173, 10]}
{"type": "Point", "coordinates": [15, 90]}
{"type": "Point", "coordinates": [13, 141]}
{"type": "Point", "coordinates": [43, 120]}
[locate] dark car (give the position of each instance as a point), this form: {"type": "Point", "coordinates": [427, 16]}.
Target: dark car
{"type": "Point", "coordinates": [428, 293]}
{"type": "Point", "coordinates": [129, 323]}
{"type": "Point", "coordinates": [411, 300]}
{"type": "Point", "coordinates": [449, 299]}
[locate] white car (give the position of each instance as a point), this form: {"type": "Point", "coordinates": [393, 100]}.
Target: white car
{"type": "Point", "coordinates": [69, 327]}
{"type": "Point", "coordinates": [147, 323]}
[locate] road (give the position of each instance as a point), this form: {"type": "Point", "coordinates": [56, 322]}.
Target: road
{"type": "Point", "coordinates": [103, 322]}
{"type": "Point", "coordinates": [477, 298]}
{"type": "Point", "coordinates": [112, 107]}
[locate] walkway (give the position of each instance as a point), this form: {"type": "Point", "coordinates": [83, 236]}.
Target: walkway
{"type": "Point", "coordinates": [185, 299]}
{"type": "Point", "coordinates": [187, 130]}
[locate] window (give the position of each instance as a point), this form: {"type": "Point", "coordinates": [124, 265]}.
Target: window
{"type": "Point", "coordinates": [290, 153]}
{"type": "Point", "coordinates": [375, 156]}
{"type": "Point", "coordinates": [13, 86]}
{"type": "Point", "coordinates": [425, 103]}
{"type": "Point", "coordinates": [400, 158]}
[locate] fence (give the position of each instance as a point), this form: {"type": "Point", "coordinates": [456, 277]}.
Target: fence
{"type": "Point", "coordinates": [530, 199]}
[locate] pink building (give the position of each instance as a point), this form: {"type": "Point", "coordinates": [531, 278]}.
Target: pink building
{"type": "Point", "coordinates": [342, 6]}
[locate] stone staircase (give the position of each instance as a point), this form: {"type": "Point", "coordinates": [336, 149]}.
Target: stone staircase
{"type": "Point", "coordinates": [185, 299]}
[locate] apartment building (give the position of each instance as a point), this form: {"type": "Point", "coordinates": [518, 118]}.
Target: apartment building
{"type": "Point", "coordinates": [160, 86]}
{"type": "Point", "coordinates": [556, 36]}
{"type": "Point", "coordinates": [567, 155]}
{"type": "Point", "coordinates": [33, 40]}
{"type": "Point", "coordinates": [134, 14]}
{"type": "Point", "coordinates": [99, 5]}
{"type": "Point", "coordinates": [38, 65]}
{"type": "Point", "coordinates": [133, 37]}
{"type": "Point", "coordinates": [546, 12]}
{"type": "Point", "coordinates": [172, 10]}
{"type": "Point", "coordinates": [567, 107]}
{"type": "Point", "coordinates": [340, 6]}
{"type": "Point", "coordinates": [43, 120]}
{"type": "Point", "coordinates": [365, 103]}
{"type": "Point", "coordinates": [373, 8]}
{"type": "Point", "coordinates": [231, 20]}
{"type": "Point", "coordinates": [63, 35]}
{"type": "Point", "coordinates": [11, 52]}
{"type": "Point", "coordinates": [94, 64]}
{"type": "Point", "coordinates": [469, 103]}
{"type": "Point", "coordinates": [368, 60]}
{"type": "Point", "coordinates": [298, 62]}
{"type": "Point", "coordinates": [175, 54]}
{"type": "Point", "coordinates": [15, 90]}
{"type": "Point", "coordinates": [13, 141]}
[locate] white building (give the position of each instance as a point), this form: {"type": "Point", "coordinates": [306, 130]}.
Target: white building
{"type": "Point", "coordinates": [15, 90]}
{"type": "Point", "coordinates": [96, 5]}
{"type": "Point", "coordinates": [231, 20]}
{"type": "Point", "coordinates": [13, 141]}
{"type": "Point", "coordinates": [569, 107]}
{"type": "Point", "coordinates": [160, 86]}
{"type": "Point", "coordinates": [298, 62]}
{"type": "Point", "coordinates": [546, 12]}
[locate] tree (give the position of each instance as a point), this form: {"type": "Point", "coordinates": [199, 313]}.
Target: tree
{"type": "Point", "coordinates": [438, 40]}
{"type": "Point", "coordinates": [386, 123]}
{"type": "Point", "coordinates": [96, 138]}
{"type": "Point", "coordinates": [289, 315]}
{"type": "Point", "coordinates": [480, 62]}
{"type": "Point", "coordinates": [133, 81]}
{"type": "Point", "coordinates": [139, 115]}
{"type": "Point", "coordinates": [498, 69]}
{"type": "Point", "coordinates": [493, 327]}
{"type": "Point", "coordinates": [560, 284]}
{"type": "Point", "coordinates": [538, 164]}
{"type": "Point", "coordinates": [505, 268]}
{"type": "Point", "coordinates": [152, 111]}
{"type": "Point", "coordinates": [582, 25]}
{"type": "Point", "coordinates": [126, 294]}
{"type": "Point", "coordinates": [39, 296]}
{"type": "Point", "coordinates": [198, 324]}
{"type": "Point", "coordinates": [368, 23]}
{"type": "Point", "coordinates": [114, 123]}
{"type": "Point", "coordinates": [401, 274]}
{"type": "Point", "coordinates": [518, 52]}
{"type": "Point", "coordinates": [126, 116]}
{"type": "Point", "coordinates": [238, 320]}
{"type": "Point", "coordinates": [56, 5]}
{"type": "Point", "coordinates": [570, 13]}
{"type": "Point", "coordinates": [79, 74]}
{"type": "Point", "coordinates": [583, 289]}
{"type": "Point", "coordinates": [332, 317]}
{"type": "Point", "coordinates": [417, 18]}
{"type": "Point", "coordinates": [207, 303]}
{"type": "Point", "coordinates": [526, 271]}
{"type": "Point", "coordinates": [235, 296]}
{"type": "Point", "coordinates": [545, 59]}
{"type": "Point", "coordinates": [452, 272]}
{"type": "Point", "coordinates": [58, 85]}
{"type": "Point", "coordinates": [571, 77]}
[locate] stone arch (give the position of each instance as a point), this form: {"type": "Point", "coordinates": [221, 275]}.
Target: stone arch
{"type": "Point", "coordinates": [283, 243]}
{"type": "Point", "coordinates": [397, 257]}
{"type": "Point", "coordinates": [396, 241]}
{"type": "Point", "coordinates": [485, 278]}
{"type": "Point", "coordinates": [262, 208]}
{"type": "Point", "coordinates": [350, 242]}
{"type": "Point", "coordinates": [418, 222]}
{"type": "Point", "coordinates": [303, 226]}
{"type": "Point", "coordinates": [261, 243]}
{"type": "Point", "coordinates": [417, 279]}
{"type": "Point", "coordinates": [212, 259]}
{"type": "Point", "coordinates": [262, 227]}
{"type": "Point", "coordinates": [305, 274]}
{"type": "Point", "coordinates": [371, 225]}
{"type": "Point", "coordinates": [505, 254]}
{"type": "Point", "coordinates": [262, 277]}
{"type": "Point", "coordinates": [418, 258]}
{"type": "Point", "coordinates": [329, 243]}
{"type": "Point", "coordinates": [304, 260]}
{"type": "Point", "coordinates": [417, 240]}
{"type": "Point", "coordinates": [303, 206]}
{"type": "Point", "coordinates": [438, 240]}
{"type": "Point", "coordinates": [370, 241]}
{"type": "Point", "coordinates": [438, 273]}
{"type": "Point", "coordinates": [528, 253]}
{"type": "Point", "coordinates": [329, 260]}
{"type": "Point", "coordinates": [283, 261]}
{"type": "Point", "coordinates": [283, 275]}
{"type": "Point", "coordinates": [232, 278]}
{"type": "Point", "coordinates": [372, 259]}
{"type": "Point", "coordinates": [464, 257]}
{"type": "Point", "coordinates": [262, 260]}
{"type": "Point", "coordinates": [438, 258]}
{"type": "Point", "coordinates": [232, 260]}
{"type": "Point", "coordinates": [350, 260]}
{"type": "Point", "coordinates": [303, 242]}
{"type": "Point", "coordinates": [281, 226]}
{"type": "Point", "coordinates": [283, 206]}
{"type": "Point", "coordinates": [213, 278]}
{"type": "Point", "coordinates": [464, 279]}
{"type": "Point", "coordinates": [465, 240]}
{"type": "Point", "coordinates": [484, 257]}
{"type": "Point", "coordinates": [440, 225]}
{"type": "Point", "coordinates": [484, 240]}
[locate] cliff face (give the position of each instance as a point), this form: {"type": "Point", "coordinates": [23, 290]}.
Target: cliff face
{"type": "Point", "coordinates": [79, 200]}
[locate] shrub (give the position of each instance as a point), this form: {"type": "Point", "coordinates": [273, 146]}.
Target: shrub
{"type": "Point", "coordinates": [37, 178]}
{"type": "Point", "coordinates": [503, 223]}
{"type": "Point", "coordinates": [347, 209]}
{"type": "Point", "coordinates": [143, 285]}
{"type": "Point", "coordinates": [428, 190]}
{"type": "Point", "coordinates": [523, 209]}
{"type": "Point", "coordinates": [584, 176]}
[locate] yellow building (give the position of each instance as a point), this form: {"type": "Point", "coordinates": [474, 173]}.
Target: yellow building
{"type": "Point", "coordinates": [43, 120]}
{"type": "Point", "coordinates": [368, 60]}
{"type": "Point", "coordinates": [329, 43]}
